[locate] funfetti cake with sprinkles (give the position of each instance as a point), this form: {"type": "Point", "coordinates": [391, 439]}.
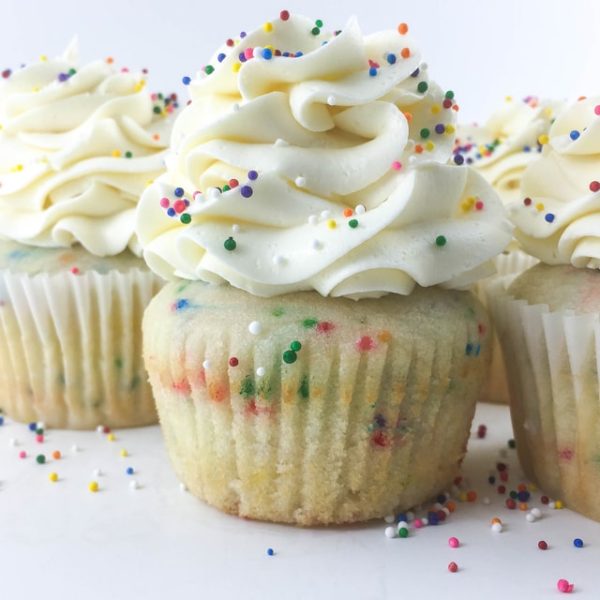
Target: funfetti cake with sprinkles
{"type": "Point", "coordinates": [549, 318]}
{"type": "Point", "coordinates": [78, 145]}
{"type": "Point", "coordinates": [315, 359]}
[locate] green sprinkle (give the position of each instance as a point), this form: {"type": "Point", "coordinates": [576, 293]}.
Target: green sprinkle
{"type": "Point", "coordinates": [209, 69]}
{"type": "Point", "coordinates": [71, 72]}
{"type": "Point", "coordinates": [309, 323]}
{"type": "Point", "coordinates": [160, 95]}
{"type": "Point", "coordinates": [304, 389]}
{"type": "Point", "coordinates": [128, 154]}
{"type": "Point", "coordinates": [135, 381]}
{"type": "Point", "coordinates": [403, 532]}
{"type": "Point", "coordinates": [119, 363]}
{"type": "Point", "coordinates": [185, 219]}
{"type": "Point", "coordinates": [353, 223]}
{"type": "Point", "coordinates": [440, 241]}
{"type": "Point", "coordinates": [39, 431]}
{"type": "Point", "coordinates": [450, 95]}
{"type": "Point", "coordinates": [230, 244]}
{"type": "Point", "coordinates": [40, 459]}
{"type": "Point", "coordinates": [278, 312]}
{"type": "Point", "coordinates": [156, 110]}
{"type": "Point", "coordinates": [315, 31]}
{"type": "Point", "coordinates": [289, 357]}
{"type": "Point", "coordinates": [319, 23]}
{"type": "Point", "coordinates": [296, 346]}
{"type": "Point", "coordinates": [248, 387]}
{"type": "Point", "coordinates": [425, 133]}
{"type": "Point", "coordinates": [226, 188]}
{"type": "Point", "coordinates": [422, 87]}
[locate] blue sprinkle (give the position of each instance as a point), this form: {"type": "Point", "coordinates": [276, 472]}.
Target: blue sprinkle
{"type": "Point", "coordinates": [549, 217]}
{"type": "Point", "coordinates": [221, 57]}
{"type": "Point", "coordinates": [523, 496]}
{"type": "Point", "coordinates": [526, 148]}
{"type": "Point", "coordinates": [130, 471]}
{"type": "Point", "coordinates": [391, 58]}
{"type": "Point", "coordinates": [578, 543]}
{"type": "Point", "coordinates": [286, 54]}
{"type": "Point", "coordinates": [182, 303]}
{"type": "Point", "coordinates": [432, 518]}
{"type": "Point", "coordinates": [252, 175]}
{"type": "Point", "coordinates": [458, 159]}
{"type": "Point", "coordinates": [178, 192]}
{"type": "Point", "coordinates": [186, 80]}
{"type": "Point", "coordinates": [171, 212]}
{"type": "Point", "coordinates": [242, 34]}
{"type": "Point", "coordinates": [242, 57]}
{"type": "Point", "coordinates": [1, 420]}
{"type": "Point", "coordinates": [372, 71]}
{"type": "Point", "coordinates": [477, 349]}
{"type": "Point", "coordinates": [299, 54]}
{"type": "Point", "coordinates": [32, 426]}
{"type": "Point", "coordinates": [415, 73]}
{"type": "Point", "coordinates": [574, 134]}
{"type": "Point", "coordinates": [441, 498]}
{"type": "Point", "coordinates": [267, 54]}
{"type": "Point", "coordinates": [401, 517]}
{"type": "Point", "coordinates": [270, 551]}
{"type": "Point", "coordinates": [468, 349]}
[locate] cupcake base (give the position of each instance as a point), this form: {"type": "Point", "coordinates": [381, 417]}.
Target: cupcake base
{"type": "Point", "coordinates": [70, 337]}
{"type": "Point", "coordinates": [311, 410]}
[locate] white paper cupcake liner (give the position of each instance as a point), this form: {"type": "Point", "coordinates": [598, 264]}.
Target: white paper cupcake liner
{"type": "Point", "coordinates": [554, 386]}
{"type": "Point", "coordinates": [71, 348]}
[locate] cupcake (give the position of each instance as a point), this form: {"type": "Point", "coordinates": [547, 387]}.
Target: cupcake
{"type": "Point", "coordinates": [501, 149]}
{"type": "Point", "coordinates": [315, 358]}
{"type": "Point", "coordinates": [549, 317]}
{"type": "Point", "coordinates": [78, 145]}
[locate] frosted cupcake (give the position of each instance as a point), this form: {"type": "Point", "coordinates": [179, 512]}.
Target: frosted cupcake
{"type": "Point", "coordinates": [501, 149]}
{"type": "Point", "coordinates": [77, 147]}
{"type": "Point", "coordinates": [309, 171]}
{"type": "Point", "coordinates": [549, 319]}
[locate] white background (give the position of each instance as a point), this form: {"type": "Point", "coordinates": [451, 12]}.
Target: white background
{"type": "Point", "coordinates": [483, 49]}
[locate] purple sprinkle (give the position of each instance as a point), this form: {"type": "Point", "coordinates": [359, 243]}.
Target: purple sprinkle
{"type": "Point", "coordinates": [246, 191]}
{"type": "Point", "coordinates": [242, 34]}
{"type": "Point", "coordinates": [252, 175]}
{"type": "Point", "coordinates": [63, 76]}
{"type": "Point", "coordinates": [459, 159]}
{"type": "Point", "coordinates": [242, 57]}
{"type": "Point", "coordinates": [439, 128]}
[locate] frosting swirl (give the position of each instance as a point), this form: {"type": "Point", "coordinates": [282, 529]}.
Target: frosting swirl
{"type": "Point", "coordinates": [318, 162]}
{"type": "Point", "coordinates": [77, 147]}
{"type": "Point", "coordinates": [559, 219]}
{"type": "Point", "coordinates": [503, 147]}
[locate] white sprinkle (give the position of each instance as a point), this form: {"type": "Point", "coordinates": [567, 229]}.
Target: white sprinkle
{"type": "Point", "coordinates": [486, 500]}
{"type": "Point", "coordinates": [260, 372]}
{"type": "Point", "coordinates": [13, 442]}
{"type": "Point", "coordinates": [255, 327]}
{"type": "Point", "coordinates": [235, 228]}
{"type": "Point", "coordinates": [97, 472]}
{"type": "Point", "coordinates": [446, 510]}
{"type": "Point", "coordinates": [100, 429]}
{"type": "Point", "coordinates": [74, 448]}
{"type": "Point", "coordinates": [213, 193]}
{"type": "Point", "coordinates": [300, 181]}
{"type": "Point", "coordinates": [257, 52]}
{"type": "Point", "coordinates": [551, 505]}
{"type": "Point", "coordinates": [134, 485]}
{"type": "Point", "coordinates": [402, 524]}
{"type": "Point", "coordinates": [313, 220]}
{"type": "Point", "coordinates": [530, 517]}
{"type": "Point", "coordinates": [325, 214]}
{"type": "Point", "coordinates": [236, 107]}
{"type": "Point", "coordinates": [183, 487]}
{"type": "Point", "coordinates": [41, 425]}
{"type": "Point", "coordinates": [410, 516]}
{"type": "Point", "coordinates": [425, 521]}
{"type": "Point", "coordinates": [412, 159]}
{"type": "Point", "coordinates": [278, 260]}
{"type": "Point", "coordinates": [316, 245]}
{"type": "Point", "coordinates": [331, 100]}
{"type": "Point", "coordinates": [497, 527]}
{"type": "Point", "coordinates": [424, 66]}
{"type": "Point", "coordinates": [279, 143]}
{"type": "Point", "coordinates": [206, 365]}
{"type": "Point", "coordinates": [438, 506]}
{"type": "Point", "coordinates": [389, 518]}
{"type": "Point", "coordinates": [536, 512]}
{"type": "Point", "coordinates": [390, 532]}
{"type": "Point", "coordinates": [360, 209]}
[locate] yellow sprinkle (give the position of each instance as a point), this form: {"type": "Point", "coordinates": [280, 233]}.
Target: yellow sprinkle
{"type": "Point", "coordinates": [540, 206]}
{"type": "Point", "coordinates": [450, 128]}
{"type": "Point", "coordinates": [543, 139]}
{"type": "Point", "coordinates": [268, 27]}
{"type": "Point", "coordinates": [116, 153]}
{"type": "Point", "coordinates": [43, 58]}
{"type": "Point", "coordinates": [471, 200]}
{"type": "Point", "coordinates": [93, 486]}
{"type": "Point", "coordinates": [140, 85]}
{"type": "Point", "coordinates": [236, 67]}
{"type": "Point", "coordinates": [558, 505]}
{"type": "Point", "coordinates": [462, 496]}
{"type": "Point", "coordinates": [123, 452]}
{"type": "Point", "coordinates": [533, 487]}
{"type": "Point", "coordinates": [150, 182]}
{"type": "Point", "coordinates": [53, 477]}
{"type": "Point", "coordinates": [35, 88]}
{"type": "Point", "coordinates": [548, 112]}
{"type": "Point", "coordinates": [435, 109]}
{"type": "Point", "coordinates": [508, 98]}
{"type": "Point", "coordinates": [110, 437]}
{"type": "Point", "coordinates": [331, 224]}
{"type": "Point", "coordinates": [465, 206]}
{"type": "Point", "coordinates": [17, 168]}
{"type": "Point", "coordinates": [269, 47]}
{"type": "Point", "coordinates": [429, 146]}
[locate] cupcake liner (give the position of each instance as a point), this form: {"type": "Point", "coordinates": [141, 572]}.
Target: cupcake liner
{"type": "Point", "coordinates": [513, 263]}
{"type": "Point", "coordinates": [338, 436]}
{"type": "Point", "coordinates": [554, 386]}
{"type": "Point", "coordinates": [70, 348]}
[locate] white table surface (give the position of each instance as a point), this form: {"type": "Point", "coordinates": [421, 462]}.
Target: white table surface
{"type": "Point", "coordinates": [60, 541]}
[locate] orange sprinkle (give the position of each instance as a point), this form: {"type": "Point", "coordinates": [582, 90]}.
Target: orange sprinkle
{"type": "Point", "coordinates": [471, 496]}
{"type": "Point", "coordinates": [523, 506]}
{"type": "Point", "coordinates": [403, 29]}
{"type": "Point", "coordinates": [348, 212]}
{"type": "Point", "coordinates": [455, 108]}
{"type": "Point", "coordinates": [496, 520]}
{"type": "Point", "coordinates": [418, 149]}
{"type": "Point", "coordinates": [156, 136]}
{"type": "Point", "coordinates": [451, 506]}
{"type": "Point", "coordinates": [581, 98]}
{"type": "Point", "coordinates": [384, 336]}
{"type": "Point", "coordinates": [408, 116]}
{"type": "Point", "coordinates": [405, 53]}
{"type": "Point", "coordinates": [522, 487]}
{"type": "Point", "coordinates": [110, 60]}
{"type": "Point", "coordinates": [56, 455]}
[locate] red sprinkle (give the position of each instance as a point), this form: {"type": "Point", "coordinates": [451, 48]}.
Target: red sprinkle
{"type": "Point", "coordinates": [453, 567]}
{"type": "Point", "coordinates": [527, 202]}
{"type": "Point", "coordinates": [284, 15]}
{"type": "Point", "coordinates": [233, 362]}
{"type": "Point", "coordinates": [544, 500]}
{"type": "Point", "coordinates": [542, 545]}
{"type": "Point", "coordinates": [481, 431]}
{"type": "Point", "coordinates": [594, 186]}
{"type": "Point", "coordinates": [511, 504]}
{"type": "Point", "coordinates": [365, 343]}
{"type": "Point", "coordinates": [75, 271]}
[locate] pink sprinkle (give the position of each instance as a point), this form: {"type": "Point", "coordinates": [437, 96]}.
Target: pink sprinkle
{"type": "Point", "coordinates": [564, 586]}
{"type": "Point", "coordinates": [164, 202]}
{"type": "Point", "coordinates": [418, 523]}
{"type": "Point", "coordinates": [249, 53]}
{"type": "Point", "coordinates": [22, 454]}
{"type": "Point", "coordinates": [39, 438]}
{"type": "Point", "coordinates": [597, 109]}
{"type": "Point", "coordinates": [325, 326]}
{"type": "Point", "coordinates": [179, 206]}
{"type": "Point", "coordinates": [453, 542]}
{"type": "Point", "coordinates": [396, 165]}
{"type": "Point", "coordinates": [365, 343]}
{"type": "Point", "coordinates": [75, 271]}
{"type": "Point", "coordinates": [479, 205]}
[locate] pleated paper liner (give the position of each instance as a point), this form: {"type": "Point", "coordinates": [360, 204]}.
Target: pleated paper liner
{"type": "Point", "coordinates": [554, 386]}
{"type": "Point", "coordinates": [368, 418]}
{"type": "Point", "coordinates": [512, 262]}
{"type": "Point", "coordinates": [71, 348]}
